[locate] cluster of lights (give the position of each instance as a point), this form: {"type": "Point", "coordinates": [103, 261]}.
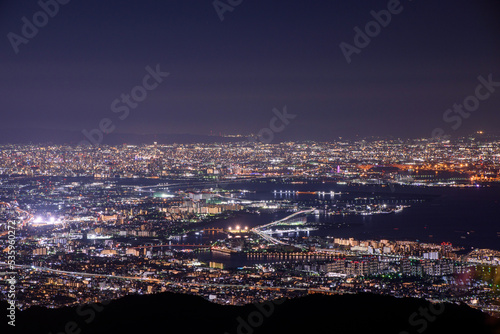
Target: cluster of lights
{"type": "Point", "coordinates": [238, 228]}
{"type": "Point", "coordinates": [39, 220]}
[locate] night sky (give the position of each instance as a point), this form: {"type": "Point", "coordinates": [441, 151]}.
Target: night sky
{"type": "Point", "coordinates": [227, 76]}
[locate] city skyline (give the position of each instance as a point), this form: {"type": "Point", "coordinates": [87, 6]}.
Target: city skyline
{"type": "Point", "coordinates": [250, 166]}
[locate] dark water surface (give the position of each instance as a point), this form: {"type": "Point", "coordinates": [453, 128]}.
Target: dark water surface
{"type": "Point", "coordinates": [469, 217]}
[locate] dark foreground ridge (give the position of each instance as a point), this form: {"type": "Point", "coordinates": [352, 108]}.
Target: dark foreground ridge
{"type": "Point", "coordinates": [167, 313]}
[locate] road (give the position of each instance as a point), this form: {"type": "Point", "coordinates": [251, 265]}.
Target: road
{"type": "Point", "coordinates": [155, 280]}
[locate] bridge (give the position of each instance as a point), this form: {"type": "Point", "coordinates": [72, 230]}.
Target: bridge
{"type": "Point", "coordinates": [286, 218]}
{"type": "Point", "coordinates": [267, 236]}
{"type": "Point", "coordinates": [289, 230]}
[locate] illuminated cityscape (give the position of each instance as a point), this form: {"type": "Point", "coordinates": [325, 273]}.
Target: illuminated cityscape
{"type": "Point", "coordinates": [250, 167]}
{"type": "Point", "coordinates": [99, 223]}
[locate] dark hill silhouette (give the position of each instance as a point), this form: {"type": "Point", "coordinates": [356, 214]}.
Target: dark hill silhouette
{"type": "Point", "coordinates": [169, 313]}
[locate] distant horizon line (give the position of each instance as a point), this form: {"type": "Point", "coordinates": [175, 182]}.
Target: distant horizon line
{"type": "Point", "coordinates": [158, 142]}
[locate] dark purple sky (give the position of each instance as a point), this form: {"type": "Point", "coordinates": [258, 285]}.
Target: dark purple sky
{"type": "Point", "coordinates": [227, 76]}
